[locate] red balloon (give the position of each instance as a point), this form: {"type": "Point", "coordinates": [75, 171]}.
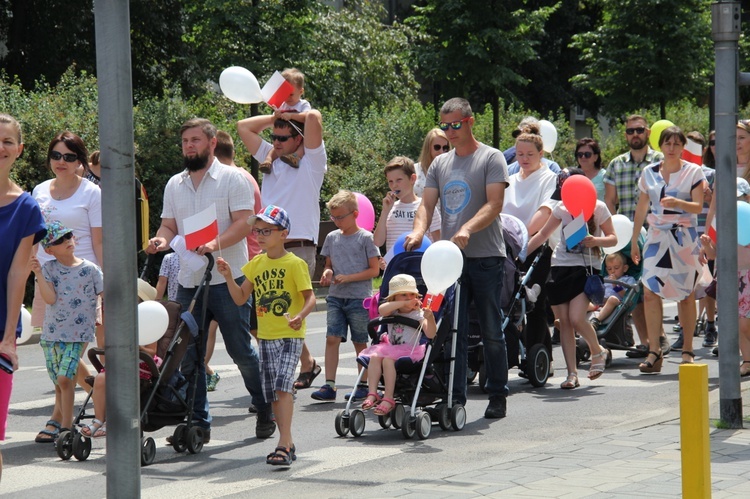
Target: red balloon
{"type": "Point", "coordinates": [579, 196]}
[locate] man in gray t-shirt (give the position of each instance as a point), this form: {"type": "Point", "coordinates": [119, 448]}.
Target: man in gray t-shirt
{"type": "Point", "coordinates": [470, 183]}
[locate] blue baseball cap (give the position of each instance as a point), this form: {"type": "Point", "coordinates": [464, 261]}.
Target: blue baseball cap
{"type": "Point", "coordinates": [55, 230]}
{"type": "Point", "coordinates": [273, 215]}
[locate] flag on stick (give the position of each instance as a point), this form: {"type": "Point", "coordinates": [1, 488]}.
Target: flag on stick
{"type": "Point", "coordinates": [201, 227]}
{"type": "Point", "coordinates": [575, 231]}
{"type": "Point", "coordinates": [276, 90]}
{"type": "Point", "coordinates": [693, 152]}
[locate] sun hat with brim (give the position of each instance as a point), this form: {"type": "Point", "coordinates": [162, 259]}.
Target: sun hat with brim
{"type": "Point", "coordinates": [55, 230]}
{"type": "Point", "coordinates": [146, 292]}
{"type": "Point", "coordinates": [401, 283]}
{"type": "Point", "coordinates": [273, 215]}
{"type": "Point", "coordinates": [743, 187]}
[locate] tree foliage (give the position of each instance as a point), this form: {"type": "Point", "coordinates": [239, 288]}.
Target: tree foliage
{"type": "Point", "coordinates": [647, 53]}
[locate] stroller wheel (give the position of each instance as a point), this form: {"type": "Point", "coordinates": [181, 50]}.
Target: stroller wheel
{"type": "Point", "coordinates": [195, 440]}
{"type": "Point", "coordinates": [385, 421]}
{"type": "Point", "coordinates": [408, 425]}
{"type": "Point", "coordinates": [458, 417]}
{"type": "Point", "coordinates": [357, 423]}
{"type": "Point", "coordinates": [342, 423]}
{"type": "Point", "coordinates": [179, 438]}
{"type": "Point", "coordinates": [537, 364]}
{"type": "Point", "coordinates": [444, 416]}
{"type": "Point", "coordinates": [148, 451]}
{"type": "Point", "coordinates": [81, 447]}
{"type": "Point", "coordinates": [64, 445]}
{"type": "Point", "coordinates": [398, 415]}
{"type": "Point", "coordinates": [423, 425]}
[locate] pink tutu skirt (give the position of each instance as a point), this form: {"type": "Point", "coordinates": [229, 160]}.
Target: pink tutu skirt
{"type": "Point", "coordinates": [385, 350]}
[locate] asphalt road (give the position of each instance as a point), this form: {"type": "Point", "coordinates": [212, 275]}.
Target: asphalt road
{"type": "Point", "coordinates": [233, 463]}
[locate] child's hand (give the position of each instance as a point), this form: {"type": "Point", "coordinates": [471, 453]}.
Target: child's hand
{"type": "Point", "coordinates": [36, 267]}
{"type": "Point", "coordinates": [708, 248]}
{"type": "Point", "coordinates": [340, 278]}
{"type": "Point", "coordinates": [286, 116]}
{"type": "Point", "coordinates": [428, 314]}
{"type": "Point", "coordinates": [325, 278]}
{"type": "Point", "coordinates": [382, 263]}
{"type": "Point", "coordinates": [223, 267]}
{"type": "Point", "coordinates": [589, 242]}
{"type": "Point", "coordinates": [388, 201]}
{"type": "Point", "coordinates": [294, 322]}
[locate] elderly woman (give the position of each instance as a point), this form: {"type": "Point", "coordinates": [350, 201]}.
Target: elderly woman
{"type": "Point", "coordinates": [22, 226]}
{"type": "Point", "coordinates": [671, 194]}
{"type": "Point", "coordinates": [435, 144]}
{"type": "Point", "coordinates": [76, 203]}
{"type": "Point", "coordinates": [588, 157]}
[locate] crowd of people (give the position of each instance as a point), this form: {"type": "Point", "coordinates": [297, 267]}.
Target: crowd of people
{"type": "Point", "coordinates": [267, 246]}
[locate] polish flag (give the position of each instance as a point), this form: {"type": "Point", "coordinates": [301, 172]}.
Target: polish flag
{"type": "Point", "coordinates": [276, 90]}
{"type": "Point", "coordinates": [693, 152]}
{"type": "Point", "coordinates": [575, 231]}
{"type": "Point", "coordinates": [712, 230]}
{"type": "Point", "coordinates": [201, 228]}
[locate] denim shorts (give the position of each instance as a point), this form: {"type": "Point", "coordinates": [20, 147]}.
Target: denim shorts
{"type": "Point", "coordinates": [62, 358]}
{"type": "Point", "coordinates": [347, 313]}
{"type": "Point", "coordinates": [278, 361]}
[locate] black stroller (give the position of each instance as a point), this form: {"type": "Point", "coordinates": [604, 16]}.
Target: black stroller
{"type": "Point", "coordinates": [422, 393]}
{"type": "Point", "coordinates": [525, 348]}
{"type": "Point", "coordinates": [167, 397]}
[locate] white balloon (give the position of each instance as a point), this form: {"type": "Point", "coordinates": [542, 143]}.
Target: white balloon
{"type": "Point", "coordinates": [240, 85]}
{"type": "Point", "coordinates": [26, 329]}
{"type": "Point", "coordinates": [153, 320]}
{"type": "Point", "coordinates": [549, 135]}
{"type": "Point", "coordinates": [624, 232]}
{"type": "Point", "coordinates": [441, 266]}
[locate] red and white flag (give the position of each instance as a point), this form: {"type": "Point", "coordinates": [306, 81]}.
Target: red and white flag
{"type": "Point", "coordinates": [711, 231]}
{"type": "Point", "coordinates": [276, 90]}
{"type": "Point", "coordinates": [693, 152]}
{"type": "Point", "coordinates": [201, 228]}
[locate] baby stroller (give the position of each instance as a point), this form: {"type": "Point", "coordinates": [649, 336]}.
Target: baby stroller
{"type": "Point", "coordinates": [167, 397]}
{"type": "Point", "coordinates": [615, 332]}
{"type": "Point", "coordinates": [422, 393]}
{"type": "Point", "coordinates": [525, 348]}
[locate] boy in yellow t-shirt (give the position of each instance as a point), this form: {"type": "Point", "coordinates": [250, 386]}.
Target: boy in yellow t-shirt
{"type": "Point", "coordinates": [283, 296]}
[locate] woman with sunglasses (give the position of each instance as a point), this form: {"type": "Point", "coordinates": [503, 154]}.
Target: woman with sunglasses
{"type": "Point", "coordinates": [588, 157]}
{"type": "Point", "coordinates": [21, 226]}
{"type": "Point", "coordinates": [671, 195]}
{"type": "Point", "coordinates": [76, 203]}
{"type": "Point", "coordinates": [435, 144]}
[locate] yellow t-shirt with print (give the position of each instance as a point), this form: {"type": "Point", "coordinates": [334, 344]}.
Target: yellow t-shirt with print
{"type": "Point", "coordinates": [278, 284]}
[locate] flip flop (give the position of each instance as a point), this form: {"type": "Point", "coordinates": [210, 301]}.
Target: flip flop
{"type": "Point", "coordinates": [305, 380]}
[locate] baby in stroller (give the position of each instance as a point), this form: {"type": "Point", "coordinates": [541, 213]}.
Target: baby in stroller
{"type": "Point", "coordinates": [617, 265]}
{"type": "Point", "coordinates": [400, 341]}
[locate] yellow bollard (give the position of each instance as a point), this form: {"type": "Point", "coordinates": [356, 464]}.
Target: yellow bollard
{"type": "Point", "coordinates": [694, 441]}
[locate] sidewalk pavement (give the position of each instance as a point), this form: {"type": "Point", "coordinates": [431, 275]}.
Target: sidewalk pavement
{"type": "Point", "coordinates": [640, 462]}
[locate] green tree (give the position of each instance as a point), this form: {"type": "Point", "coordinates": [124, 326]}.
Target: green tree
{"type": "Point", "coordinates": [476, 49]}
{"type": "Point", "coordinates": [647, 53]}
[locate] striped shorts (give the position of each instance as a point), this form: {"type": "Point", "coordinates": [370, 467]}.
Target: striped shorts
{"type": "Point", "coordinates": [278, 362]}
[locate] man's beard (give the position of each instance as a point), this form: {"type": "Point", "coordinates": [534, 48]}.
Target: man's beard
{"type": "Point", "coordinates": [638, 144]}
{"type": "Point", "coordinates": [196, 163]}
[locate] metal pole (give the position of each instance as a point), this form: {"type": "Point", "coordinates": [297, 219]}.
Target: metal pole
{"type": "Point", "coordinates": [114, 83]}
{"type": "Point", "coordinates": [725, 23]}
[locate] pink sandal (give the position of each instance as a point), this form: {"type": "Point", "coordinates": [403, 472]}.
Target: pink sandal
{"type": "Point", "coordinates": [370, 401]}
{"type": "Point", "coordinates": [385, 407]}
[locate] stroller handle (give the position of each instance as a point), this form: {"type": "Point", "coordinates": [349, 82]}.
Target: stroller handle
{"type": "Point", "coordinates": [621, 283]}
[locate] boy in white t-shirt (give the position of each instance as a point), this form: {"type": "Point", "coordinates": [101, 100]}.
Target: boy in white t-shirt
{"type": "Point", "coordinates": [400, 206]}
{"type": "Point", "coordinates": [294, 108]}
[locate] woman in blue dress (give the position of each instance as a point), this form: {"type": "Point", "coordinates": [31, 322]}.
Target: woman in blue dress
{"type": "Point", "coordinates": [671, 194]}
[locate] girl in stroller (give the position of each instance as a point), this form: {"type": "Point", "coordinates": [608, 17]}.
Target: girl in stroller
{"type": "Point", "coordinates": [400, 341]}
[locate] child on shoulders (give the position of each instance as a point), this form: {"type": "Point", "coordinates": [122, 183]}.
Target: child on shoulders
{"type": "Point", "coordinates": [400, 341]}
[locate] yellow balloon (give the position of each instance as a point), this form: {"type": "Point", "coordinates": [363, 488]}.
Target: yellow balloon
{"type": "Point", "coordinates": [656, 130]}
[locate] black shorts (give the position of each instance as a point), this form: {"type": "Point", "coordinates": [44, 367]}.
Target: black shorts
{"type": "Point", "coordinates": [565, 283]}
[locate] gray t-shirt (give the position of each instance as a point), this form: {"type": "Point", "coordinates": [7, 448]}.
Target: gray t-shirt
{"type": "Point", "coordinates": [350, 255]}
{"type": "Point", "coordinates": [461, 183]}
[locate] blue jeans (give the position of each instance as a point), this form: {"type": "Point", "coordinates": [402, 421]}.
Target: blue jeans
{"type": "Point", "coordinates": [482, 281]}
{"type": "Point", "coordinates": [234, 322]}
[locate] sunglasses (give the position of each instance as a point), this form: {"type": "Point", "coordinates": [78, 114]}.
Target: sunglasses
{"type": "Point", "coordinates": [586, 154]}
{"type": "Point", "coordinates": [456, 125]}
{"type": "Point", "coordinates": [263, 232]}
{"type": "Point", "coordinates": [62, 239]}
{"type": "Point", "coordinates": [281, 138]}
{"type": "Point", "coordinates": [639, 130]}
{"type": "Point", "coordinates": [68, 157]}
{"type": "Point", "coordinates": [438, 147]}
{"type": "Point", "coordinates": [336, 219]}
{"type": "Point", "coordinates": [711, 142]}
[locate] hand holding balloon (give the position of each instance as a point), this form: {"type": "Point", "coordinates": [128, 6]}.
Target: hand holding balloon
{"type": "Point", "coordinates": [441, 266]}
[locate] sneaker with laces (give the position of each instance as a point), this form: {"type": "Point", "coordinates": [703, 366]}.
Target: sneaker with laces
{"type": "Point", "coordinates": [711, 338]}
{"type": "Point", "coordinates": [325, 393]}
{"type": "Point", "coordinates": [360, 393]}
